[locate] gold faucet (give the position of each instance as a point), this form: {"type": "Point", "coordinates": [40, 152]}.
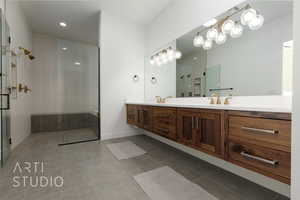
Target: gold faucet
{"type": "Point", "coordinates": [212, 101]}
{"type": "Point", "coordinates": [226, 100]}
{"type": "Point", "coordinates": [162, 100]}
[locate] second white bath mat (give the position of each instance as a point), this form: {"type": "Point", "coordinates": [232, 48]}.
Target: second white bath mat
{"type": "Point", "coordinates": [166, 184]}
{"type": "Point", "coordinates": [125, 150]}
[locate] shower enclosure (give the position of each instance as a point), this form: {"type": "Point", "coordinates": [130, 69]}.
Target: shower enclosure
{"type": "Point", "coordinates": [67, 93]}
{"type": "Point", "coordinates": [5, 94]}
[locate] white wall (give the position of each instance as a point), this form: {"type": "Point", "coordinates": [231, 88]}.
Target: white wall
{"type": "Point", "coordinates": [122, 56]}
{"type": "Point", "coordinates": [20, 108]}
{"type": "Point", "coordinates": [261, 63]}
{"type": "Point", "coordinates": [65, 87]}
{"type": "Point", "coordinates": [295, 193]}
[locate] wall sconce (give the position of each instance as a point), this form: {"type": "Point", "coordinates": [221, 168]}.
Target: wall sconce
{"type": "Point", "coordinates": [153, 80]}
{"type": "Point", "coordinates": [135, 78]}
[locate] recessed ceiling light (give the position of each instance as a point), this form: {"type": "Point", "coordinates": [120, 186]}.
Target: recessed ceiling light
{"type": "Point", "coordinates": [210, 22]}
{"type": "Point", "coordinates": [64, 48]}
{"type": "Point", "coordinates": [63, 24]}
{"type": "Point", "coordinates": [77, 63]}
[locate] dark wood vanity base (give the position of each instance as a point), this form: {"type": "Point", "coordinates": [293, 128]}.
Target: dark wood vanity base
{"type": "Point", "coordinates": [258, 141]}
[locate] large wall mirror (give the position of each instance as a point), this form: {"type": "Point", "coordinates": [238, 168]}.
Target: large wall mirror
{"type": "Point", "coordinates": [246, 51]}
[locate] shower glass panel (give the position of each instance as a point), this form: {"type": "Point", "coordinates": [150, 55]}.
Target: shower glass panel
{"type": "Point", "coordinates": [5, 94]}
{"type": "Point", "coordinates": [77, 91]}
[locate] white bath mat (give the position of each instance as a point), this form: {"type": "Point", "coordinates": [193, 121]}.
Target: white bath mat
{"type": "Point", "coordinates": [166, 184]}
{"type": "Point", "coordinates": [125, 150]}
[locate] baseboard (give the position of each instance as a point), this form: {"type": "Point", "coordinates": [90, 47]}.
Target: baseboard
{"type": "Point", "coordinates": [259, 179]}
{"type": "Point", "coordinates": [119, 134]}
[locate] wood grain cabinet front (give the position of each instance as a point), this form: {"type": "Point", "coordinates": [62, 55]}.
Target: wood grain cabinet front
{"type": "Point", "coordinates": [132, 114]}
{"type": "Point", "coordinates": [164, 122]}
{"type": "Point", "coordinates": [201, 129]}
{"type": "Point", "coordinates": [259, 141]}
{"type": "Point", "coordinates": [140, 116]}
{"type": "Point", "coordinates": [270, 162]}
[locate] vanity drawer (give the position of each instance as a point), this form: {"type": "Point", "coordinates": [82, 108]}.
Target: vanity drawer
{"type": "Point", "coordinates": [269, 162]}
{"type": "Point", "coordinates": [164, 122]}
{"type": "Point", "coordinates": [271, 133]}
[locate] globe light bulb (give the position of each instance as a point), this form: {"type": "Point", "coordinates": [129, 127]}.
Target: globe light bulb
{"type": "Point", "coordinates": [227, 26]}
{"type": "Point", "coordinates": [221, 39]}
{"type": "Point", "coordinates": [198, 41]}
{"type": "Point", "coordinates": [236, 31]}
{"type": "Point", "coordinates": [207, 45]}
{"type": "Point", "coordinates": [247, 16]}
{"type": "Point", "coordinates": [256, 23]}
{"type": "Point", "coordinates": [212, 34]}
{"type": "Point", "coordinates": [170, 53]}
{"type": "Point", "coordinates": [152, 61]}
{"type": "Point", "coordinates": [159, 63]}
{"type": "Point", "coordinates": [178, 54]}
{"type": "Point", "coordinates": [156, 58]}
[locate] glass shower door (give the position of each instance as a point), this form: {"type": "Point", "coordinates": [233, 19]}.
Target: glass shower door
{"type": "Point", "coordinates": [5, 96]}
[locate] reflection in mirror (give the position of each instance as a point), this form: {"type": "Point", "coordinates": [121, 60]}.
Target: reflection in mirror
{"type": "Point", "coordinates": [246, 58]}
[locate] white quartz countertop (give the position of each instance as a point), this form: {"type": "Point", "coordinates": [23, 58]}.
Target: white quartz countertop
{"type": "Point", "coordinates": [238, 107]}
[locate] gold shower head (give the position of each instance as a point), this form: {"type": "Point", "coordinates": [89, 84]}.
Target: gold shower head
{"type": "Point", "coordinates": [31, 57]}
{"type": "Point", "coordinates": [26, 51]}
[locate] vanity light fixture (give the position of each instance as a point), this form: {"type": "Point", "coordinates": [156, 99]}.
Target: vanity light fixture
{"type": "Point", "coordinates": [77, 63]}
{"type": "Point", "coordinates": [236, 31]}
{"type": "Point", "coordinates": [221, 39]}
{"type": "Point", "coordinates": [210, 22]}
{"type": "Point", "coordinates": [164, 56]}
{"type": "Point", "coordinates": [217, 31]}
{"type": "Point", "coordinates": [212, 34]}
{"type": "Point", "coordinates": [207, 44]}
{"type": "Point", "coordinates": [198, 40]}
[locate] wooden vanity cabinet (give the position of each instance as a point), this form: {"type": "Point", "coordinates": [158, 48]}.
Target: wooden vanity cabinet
{"type": "Point", "coordinates": [132, 114]}
{"type": "Point", "coordinates": [140, 116]}
{"type": "Point", "coordinates": [201, 129]}
{"type": "Point", "coordinates": [164, 122]}
{"type": "Point", "coordinates": [260, 142]}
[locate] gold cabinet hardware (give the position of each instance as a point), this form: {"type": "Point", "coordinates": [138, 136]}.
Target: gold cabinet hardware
{"type": "Point", "coordinates": [20, 87]}
{"type": "Point", "coordinates": [212, 100]}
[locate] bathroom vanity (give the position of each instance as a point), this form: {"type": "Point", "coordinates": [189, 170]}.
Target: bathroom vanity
{"type": "Point", "coordinates": [256, 140]}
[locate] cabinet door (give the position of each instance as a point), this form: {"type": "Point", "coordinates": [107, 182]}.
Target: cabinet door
{"type": "Point", "coordinates": [140, 118]}
{"type": "Point", "coordinates": [164, 122]}
{"type": "Point", "coordinates": [147, 117]}
{"type": "Point", "coordinates": [208, 134]}
{"type": "Point", "coordinates": [186, 127]}
{"type": "Point", "coordinates": [132, 114]}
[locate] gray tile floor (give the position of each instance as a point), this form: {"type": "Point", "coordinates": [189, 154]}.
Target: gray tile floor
{"type": "Point", "coordinates": [91, 172]}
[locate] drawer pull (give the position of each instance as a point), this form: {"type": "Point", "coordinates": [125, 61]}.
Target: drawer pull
{"type": "Point", "coordinates": [258, 130]}
{"type": "Point", "coordinates": [270, 162]}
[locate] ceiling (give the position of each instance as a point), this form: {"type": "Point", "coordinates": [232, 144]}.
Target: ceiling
{"type": "Point", "coordinates": [271, 10]}
{"type": "Point", "coordinates": [83, 16]}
